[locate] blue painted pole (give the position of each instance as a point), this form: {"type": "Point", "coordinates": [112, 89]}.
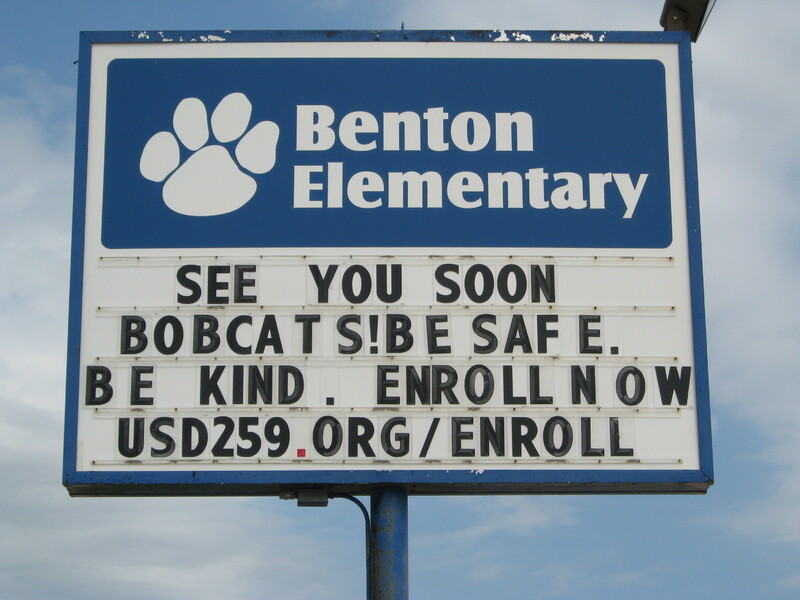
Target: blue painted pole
{"type": "Point", "coordinates": [389, 547]}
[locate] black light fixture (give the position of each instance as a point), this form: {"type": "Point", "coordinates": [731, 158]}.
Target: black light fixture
{"type": "Point", "coordinates": [686, 15]}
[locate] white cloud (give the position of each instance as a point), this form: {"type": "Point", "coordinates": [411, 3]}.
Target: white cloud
{"type": "Point", "coordinates": [512, 515]}
{"type": "Point", "coordinates": [54, 546]}
{"type": "Point", "coordinates": [790, 583]}
{"type": "Point", "coordinates": [482, 529]}
{"type": "Point", "coordinates": [571, 15]}
{"type": "Point", "coordinates": [35, 201]}
{"type": "Point", "coordinates": [747, 91]}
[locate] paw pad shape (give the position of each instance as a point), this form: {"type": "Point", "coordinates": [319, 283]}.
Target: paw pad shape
{"type": "Point", "coordinates": [210, 182]}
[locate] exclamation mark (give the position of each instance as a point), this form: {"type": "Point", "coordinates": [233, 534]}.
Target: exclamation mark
{"type": "Point", "coordinates": [373, 334]}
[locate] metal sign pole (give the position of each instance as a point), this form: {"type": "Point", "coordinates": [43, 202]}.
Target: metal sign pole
{"type": "Point", "coordinates": [389, 547]}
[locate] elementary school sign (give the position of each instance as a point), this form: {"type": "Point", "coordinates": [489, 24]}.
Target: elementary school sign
{"type": "Point", "coordinates": [455, 262]}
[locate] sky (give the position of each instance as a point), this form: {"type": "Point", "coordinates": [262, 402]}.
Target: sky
{"type": "Point", "coordinates": [741, 540]}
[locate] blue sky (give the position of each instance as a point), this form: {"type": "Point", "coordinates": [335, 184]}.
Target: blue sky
{"type": "Point", "coordinates": [741, 540]}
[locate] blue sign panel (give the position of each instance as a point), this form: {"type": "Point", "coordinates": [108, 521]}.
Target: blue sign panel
{"type": "Point", "coordinates": [445, 152]}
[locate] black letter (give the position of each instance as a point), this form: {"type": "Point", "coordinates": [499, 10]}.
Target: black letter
{"type": "Point", "coordinates": [160, 436]}
{"type": "Point", "coordinates": [384, 382]}
{"type": "Point", "coordinates": [138, 384]}
{"type": "Point", "coordinates": [613, 424]}
{"type": "Point", "coordinates": [673, 384]}
{"type": "Point", "coordinates": [586, 439]}
{"type": "Point", "coordinates": [205, 327]}
{"type": "Point", "coordinates": [347, 284]}
{"type": "Point", "coordinates": [487, 279]}
{"type": "Point", "coordinates": [269, 336]}
{"type": "Point", "coordinates": [233, 328]}
{"type": "Point", "coordinates": [622, 386]}
{"type": "Point", "coordinates": [323, 283]}
{"type": "Point", "coordinates": [259, 384]}
{"type": "Point", "coordinates": [385, 295]}
{"type": "Point", "coordinates": [429, 438]}
{"type": "Point", "coordinates": [319, 436]}
{"type": "Point", "coordinates": [398, 326]}
{"type": "Point", "coordinates": [549, 436]}
{"type": "Point", "coordinates": [402, 438]}
{"type": "Point", "coordinates": [535, 393]}
{"type": "Point", "coordinates": [133, 329]}
{"type": "Point", "coordinates": [518, 336]}
{"type": "Point", "coordinates": [484, 334]}
{"type": "Point", "coordinates": [276, 431]}
{"type": "Point", "coordinates": [249, 436]}
{"type": "Point", "coordinates": [237, 384]}
{"type": "Point", "coordinates": [98, 378]}
{"type": "Point", "coordinates": [159, 337]}
{"type": "Point", "coordinates": [545, 284]}
{"type": "Point", "coordinates": [584, 333]}
{"type": "Point", "coordinates": [508, 387]}
{"type": "Point", "coordinates": [219, 448]}
{"type": "Point", "coordinates": [542, 332]}
{"type": "Point", "coordinates": [434, 333]}
{"type": "Point", "coordinates": [519, 285]}
{"type": "Point", "coordinates": [451, 285]}
{"type": "Point", "coordinates": [418, 386]}
{"type": "Point", "coordinates": [349, 334]}
{"type": "Point", "coordinates": [583, 384]}
{"type": "Point", "coordinates": [215, 285]}
{"type": "Point", "coordinates": [284, 372]}
{"type": "Point", "coordinates": [520, 439]}
{"type": "Point", "coordinates": [458, 435]}
{"type": "Point", "coordinates": [195, 291]}
{"type": "Point", "coordinates": [307, 321]}
{"type": "Point", "coordinates": [471, 388]}
{"type": "Point", "coordinates": [190, 425]}
{"type": "Point", "coordinates": [359, 432]}
{"type": "Point", "coordinates": [209, 384]}
{"type": "Point", "coordinates": [124, 445]}
{"type": "Point", "coordinates": [241, 283]}
{"type": "Point", "coordinates": [445, 378]}
{"type": "Point", "coordinates": [493, 436]}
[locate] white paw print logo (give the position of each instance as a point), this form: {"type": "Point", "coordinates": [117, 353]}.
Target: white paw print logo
{"type": "Point", "coordinates": [210, 182]}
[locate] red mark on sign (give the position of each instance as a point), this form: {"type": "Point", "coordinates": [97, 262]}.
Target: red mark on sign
{"type": "Point", "coordinates": [301, 453]}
